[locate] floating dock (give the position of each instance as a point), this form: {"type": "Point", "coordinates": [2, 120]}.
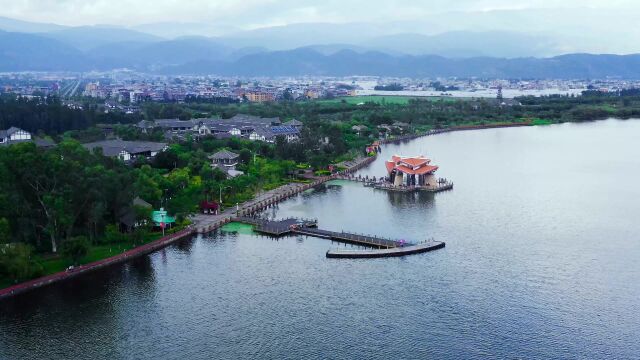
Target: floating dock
{"type": "Point", "coordinates": [376, 184]}
{"type": "Point", "coordinates": [399, 251]}
{"type": "Point", "coordinates": [431, 189]}
{"type": "Point", "coordinates": [378, 246]}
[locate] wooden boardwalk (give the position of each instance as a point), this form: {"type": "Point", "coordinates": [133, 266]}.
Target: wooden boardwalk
{"type": "Point", "coordinates": [379, 246]}
{"type": "Point", "coordinates": [399, 251]}
{"type": "Point", "coordinates": [351, 238]}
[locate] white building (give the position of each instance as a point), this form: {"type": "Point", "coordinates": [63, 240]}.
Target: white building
{"type": "Point", "coordinates": [13, 135]}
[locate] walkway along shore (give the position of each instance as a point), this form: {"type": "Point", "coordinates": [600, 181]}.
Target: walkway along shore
{"type": "Point", "coordinates": [204, 224]}
{"type": "Point", "coordinates": [100, 264]}
{"type": "Point", "coordinates": [208, 223]}
{"type": "Point", "coordinates": [451, 129]}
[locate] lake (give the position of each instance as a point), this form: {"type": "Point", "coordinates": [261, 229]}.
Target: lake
{"type": "Point", "coordinates": [483, 93]}
{"type": "Point", "coordinates": [543, 242]}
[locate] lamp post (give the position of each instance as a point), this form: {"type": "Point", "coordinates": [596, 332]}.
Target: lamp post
{"type": "Point", "coordinates": [163, 225]}
{"type": "Point", "coordinates": [162, 201]}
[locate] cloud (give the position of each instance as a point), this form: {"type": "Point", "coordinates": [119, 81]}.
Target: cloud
{"type": "Point", "coordinates": [255, 13]}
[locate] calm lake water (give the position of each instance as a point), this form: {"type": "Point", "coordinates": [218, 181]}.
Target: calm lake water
{"type": "Point", "coordinates": [484, 93]}
{"type": "Point", "coordinates": [543, 242]}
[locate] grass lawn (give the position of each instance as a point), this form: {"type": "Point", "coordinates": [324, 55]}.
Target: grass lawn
{"type": "Point", "coordinates": [53, 263]}
{"type": "Point", "coordinates": [538, 121]}
{"type": "Point", "coordinates": [379, 99]}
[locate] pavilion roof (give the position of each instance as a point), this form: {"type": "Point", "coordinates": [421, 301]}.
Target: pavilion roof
{"type": "Point", "coordinates": [390, 165]}
{"type": "Point", "coordinates": [426, 169]}
{"type": "Point", "coordinates": [416, 161]}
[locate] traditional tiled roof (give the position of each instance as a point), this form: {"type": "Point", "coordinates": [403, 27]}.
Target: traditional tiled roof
{"type": "Point", "coordinates": [410, 165]}
{"type": "Point", "coordinates": [413, 162]}
{"type": "Point", "coordinates": [139, 202]}
{"type": "Point", "coordinates": [255, 119]}
{"type": "Point", "coordinates": [224, 155]}
{"type": "Point", "coordinates": [263, 131]}
{"type": "Point", "coordinates": [115, 147]}
{"type": "Point", "coordinates": [43, 142]}
{"type": "Point", "coordinates": [426, 169]}
{"type": "Point", "coordinates": [9, 132]}
{"type": "Point", "coordinates": [145, 124]}
{"type": "Point", "coordinates": [293, 122]}
{"type": "Point", "coordinates": [175, 123]}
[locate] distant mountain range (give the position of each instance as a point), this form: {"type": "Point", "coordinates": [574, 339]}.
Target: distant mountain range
{"type": "Point", "coordinates": [26, 46]}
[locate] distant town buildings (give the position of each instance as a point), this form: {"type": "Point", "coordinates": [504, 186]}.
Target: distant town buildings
{"type": "Point", "coordinates": [124, 90]}
{"type": "Point", "coordinates": [246, 126]}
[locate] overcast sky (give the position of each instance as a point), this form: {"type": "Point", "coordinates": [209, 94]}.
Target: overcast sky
{"type": "Point", "coordinates": [249, 14]}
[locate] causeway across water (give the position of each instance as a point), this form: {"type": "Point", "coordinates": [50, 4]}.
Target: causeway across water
{"type": "Point", "coordinates": [379, 246]}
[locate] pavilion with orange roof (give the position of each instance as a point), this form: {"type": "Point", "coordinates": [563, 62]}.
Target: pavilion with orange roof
{"type": "Point", "coordinates": [411, 171]}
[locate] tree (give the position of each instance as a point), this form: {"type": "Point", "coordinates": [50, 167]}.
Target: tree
{"type": "Point", "coordinates": [245, 156]}
{"type": "Point", "coordinates": [287, 95]}
{"type": "Point", "coordinates": [16, 264]}
{"type": "Point", "coordinates": [5, 231]}
{"type": "Point", "coordinates": [75, 248]}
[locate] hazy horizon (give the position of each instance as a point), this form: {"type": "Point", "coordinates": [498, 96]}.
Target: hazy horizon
{"type": "Point", "coordinates": [570, 26]}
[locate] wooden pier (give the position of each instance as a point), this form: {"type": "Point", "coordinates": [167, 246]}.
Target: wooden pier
{"type": "Point", "coordinates": [382, 185]}
{"type": "Point", "coordinates": [401, 251]}
{"type": "Point", "coordinates": [378, 246]}
{"type": "Point", "coordinates": [431, 189]}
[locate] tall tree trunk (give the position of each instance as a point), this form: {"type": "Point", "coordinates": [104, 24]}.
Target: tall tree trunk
{"type": "Point", "coordinates": [54, 245]}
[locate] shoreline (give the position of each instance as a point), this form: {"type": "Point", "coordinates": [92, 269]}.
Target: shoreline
{"type": "Point", "coordinates": [452, 129]}
{"type": "Point", "coordinates": [139, 251]}
{"type": "Point", "coordinates": [249, 208]}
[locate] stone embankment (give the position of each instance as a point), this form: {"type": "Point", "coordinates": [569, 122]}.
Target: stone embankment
{"type": "Point", "coordinates": [100, 264]}
{"type": "Point", "coordinates": [202, 224]}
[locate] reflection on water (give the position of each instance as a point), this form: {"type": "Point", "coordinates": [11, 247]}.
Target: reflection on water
{"type": "Point", "coordinates": [421, 198]}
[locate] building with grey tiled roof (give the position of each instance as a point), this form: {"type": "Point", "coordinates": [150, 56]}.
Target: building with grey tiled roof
{"type": "Point", "coordinates": [127, 150]}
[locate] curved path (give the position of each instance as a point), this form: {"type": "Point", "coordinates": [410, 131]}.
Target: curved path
{"type": "Point", "coordinates": [380, 253]}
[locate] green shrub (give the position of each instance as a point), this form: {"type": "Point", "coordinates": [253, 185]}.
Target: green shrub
{"type": "Point", "coordinates": [112, 235]}
{"type": "Point", "coordinates": [16, 263]}
{"type": "Point", "coordinates": [75, 248]}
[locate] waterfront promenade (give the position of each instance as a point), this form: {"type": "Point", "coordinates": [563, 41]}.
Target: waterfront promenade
{"type": "Point", "coordinates": [96, 265]}
{"type": "Point", "coordinates": [205, 223]}
{"type": "Point", "coordinates": [201, 223]}
{"type": "Point", "coordinates": [377, 246]}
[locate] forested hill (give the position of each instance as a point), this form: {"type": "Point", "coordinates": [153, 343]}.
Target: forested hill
{"type": "Point", "coordinates": [30, 52]}
{"type": "Point", "coordinates": [346, 62]}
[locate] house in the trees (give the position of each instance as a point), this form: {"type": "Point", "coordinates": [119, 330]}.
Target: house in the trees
{"type": "Point", "coordinates": [359, 128]}
{"type": "Point", "coordinates": [262, 134]}
{"type": "Point", "coordinates": [127, 150]}
{"type": "Point", "coordinates": [176, 125]}
{"type": "Point", "coordinates": [14, 135]}
{"type": "Point", "coordinates": [290, 133]}
{"type": "Point", "coordinates": [128, 216]}
{"type": "Point", "coordinates": [225, 158]}
{"type": "Point", "coordinates": [145, 126]}
{"type": "Point", "coordinates": [269, 134]}
{"type": "Point", "coordinates": [294, 123]}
